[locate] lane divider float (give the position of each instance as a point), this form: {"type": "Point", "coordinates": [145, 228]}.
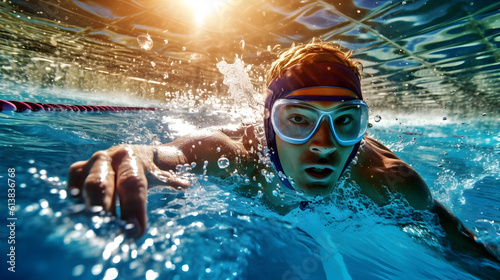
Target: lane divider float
{"type": "Point", "coordinates": [19, 106]}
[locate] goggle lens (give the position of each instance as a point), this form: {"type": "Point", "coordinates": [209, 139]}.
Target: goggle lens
{"type": "Point", "coordinates": [296, 121]}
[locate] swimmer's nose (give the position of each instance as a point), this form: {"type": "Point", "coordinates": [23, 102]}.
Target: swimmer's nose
{"type": "Point", "coordinates": [323, 141]}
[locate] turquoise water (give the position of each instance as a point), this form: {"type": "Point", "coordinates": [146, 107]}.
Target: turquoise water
{"type": "Point", "coordinates": [212, 232]}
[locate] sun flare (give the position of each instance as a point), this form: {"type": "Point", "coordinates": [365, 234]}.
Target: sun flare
{"type": "Point", "coordinates": [203, 8]}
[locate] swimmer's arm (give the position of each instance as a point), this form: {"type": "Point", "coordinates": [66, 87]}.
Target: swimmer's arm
{"type": "Point", "coordinates": [380, 168]}
{"type": "Point", "coordinates": [121, 170]}
{"type": "Point", "coordinates": [204, 149]}
{"type": "Point", "coordinates": [460, 237]}
{"type": "Point", "coordinates": [412, 186]}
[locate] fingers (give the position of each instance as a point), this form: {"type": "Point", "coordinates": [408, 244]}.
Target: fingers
{"type": "Point", "coordinates": [170, 178]}
{"type": "Point", "coordinates": [120, 171]}
{"type": "Point", "coordinates": [76, 176]}
{"type": "Point", "coordinates": [99, 186]}
{"type": "Point", "coordinates": [132, 187]}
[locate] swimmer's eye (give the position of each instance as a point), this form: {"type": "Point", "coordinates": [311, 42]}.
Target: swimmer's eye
{"type": "Point", "coordinates": [298, 119]}
{"type": "Point", "coordinates": [343, 120]}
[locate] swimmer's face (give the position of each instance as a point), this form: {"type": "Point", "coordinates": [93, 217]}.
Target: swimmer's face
{"type": "Point", "coordinates": [316, 165]}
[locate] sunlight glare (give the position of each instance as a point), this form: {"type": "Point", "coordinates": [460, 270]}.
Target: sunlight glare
{"type": "Point", "coordinates": [202, 8]}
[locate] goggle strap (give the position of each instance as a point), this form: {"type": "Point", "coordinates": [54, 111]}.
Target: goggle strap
{"type": "Point", "coordinates": [322, 98]}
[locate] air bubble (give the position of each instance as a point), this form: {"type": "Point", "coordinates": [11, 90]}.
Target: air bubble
{"type": "Point", "coordinates": [223, 163]}
{"type": "Point", "coordinates": [145, 42]}
{"type": "Point", "coordinates": [445, 118]}
{"type": "Point", "coordinates": [377, 118]}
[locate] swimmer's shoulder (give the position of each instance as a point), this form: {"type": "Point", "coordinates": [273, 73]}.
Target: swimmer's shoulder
{"type": "Point", "coordinates": [379, 171]}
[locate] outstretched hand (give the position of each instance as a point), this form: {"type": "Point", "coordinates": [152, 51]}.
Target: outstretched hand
{"type": "Point", "coordinates": [121, 171]}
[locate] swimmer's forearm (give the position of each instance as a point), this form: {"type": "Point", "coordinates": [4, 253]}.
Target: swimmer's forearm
{"type": "Point", "coordinates": [167, 157]}
{"type": "Point", "coordinates": [460, 237]}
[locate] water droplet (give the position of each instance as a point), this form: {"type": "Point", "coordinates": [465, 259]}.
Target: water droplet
{"type": "Point", "coordinates": [242, 44]}
{"type": "Point", "coordinates": [483, 114]}
{"type": "Point", "coordinates": [218, 149]}
{"type": "Point", "coordinates": [275, 193]}
{"type": "Point", "coordinates": [445, 118]}
{"type": "Point", "coordinates": [111, 273]}
{"type": "Point", "coordinates": [377, 118]}
{"type": "Point", "coordinates": [165, 41]}
{"type": "Point", "coordinates": [259, 194]}
{"type": "Point", "coordinates": [145, 42]}
{"type": "Point", "coordinates": [151, 274]}
{"type": "Point", "coordinates": [193, 164]}
{"type": "Point", "coordinates": [153, 63]}
{"type": "Point", "coordinates": [223, 163]}
{"type": "Point", "coordinates": [96, 269]}
{"type": "Point", "coordinates": [78, 270]}
{"type": "Point", "coordinates": [183, 49]}
{"type": "Point", "coordinates": [44, 203]}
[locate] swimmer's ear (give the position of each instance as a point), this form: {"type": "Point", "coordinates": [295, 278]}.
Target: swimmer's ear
{"type": "Point", "coordinates": [267, 113]}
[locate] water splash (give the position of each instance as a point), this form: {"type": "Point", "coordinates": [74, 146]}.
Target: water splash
{"type": "Point", "coordinates": [240, 86]}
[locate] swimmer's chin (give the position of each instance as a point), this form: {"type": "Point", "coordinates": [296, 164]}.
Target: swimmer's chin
{"type": "Point", "coordinates": [314, 190]}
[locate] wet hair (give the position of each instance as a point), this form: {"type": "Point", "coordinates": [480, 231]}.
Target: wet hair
{"type": "Point", "coordinates": [314, 51]}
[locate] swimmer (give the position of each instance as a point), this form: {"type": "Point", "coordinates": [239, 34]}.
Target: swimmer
{"type": "Point", "coordinates": [315, 123]}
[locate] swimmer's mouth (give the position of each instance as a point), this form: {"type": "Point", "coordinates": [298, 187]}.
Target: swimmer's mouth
{"type": "Point", "coordinates": [319, 172]}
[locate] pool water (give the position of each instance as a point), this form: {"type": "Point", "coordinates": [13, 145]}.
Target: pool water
{"type": "Point", "coordinates": [211, 231]}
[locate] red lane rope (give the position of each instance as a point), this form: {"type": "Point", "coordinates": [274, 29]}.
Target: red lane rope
{"type": "Point", "coordinates": [19, 106]}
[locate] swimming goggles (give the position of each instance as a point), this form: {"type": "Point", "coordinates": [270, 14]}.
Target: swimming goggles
{"type": "Point", "coordinates": [296, 121]}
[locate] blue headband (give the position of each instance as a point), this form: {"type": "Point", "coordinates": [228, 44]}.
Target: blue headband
{"type": "Point", "coordinates": [300, 76]}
